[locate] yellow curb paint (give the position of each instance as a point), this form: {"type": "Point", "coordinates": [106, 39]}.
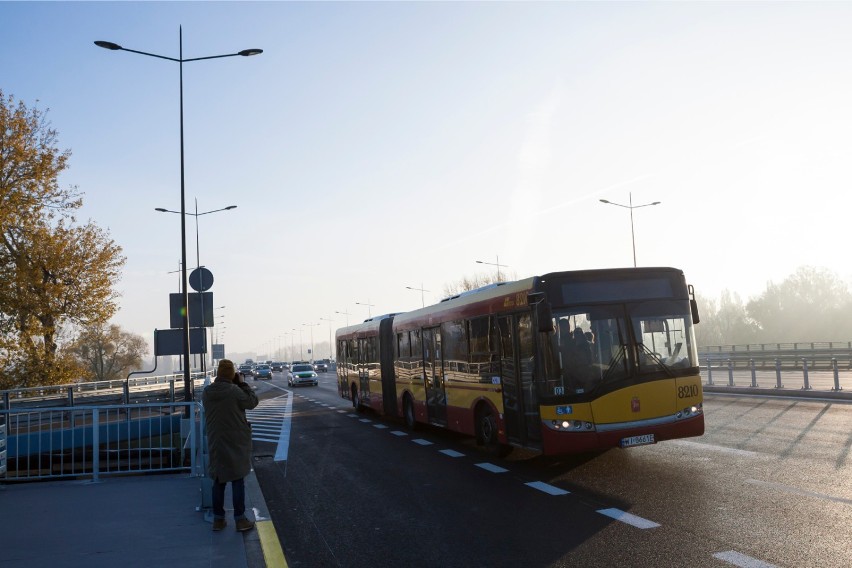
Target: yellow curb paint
{"type": "Point", "coordinates": [272, 553]}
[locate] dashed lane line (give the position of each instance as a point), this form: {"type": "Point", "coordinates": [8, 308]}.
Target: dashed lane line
{"type": "Point", "coordinates": [452, 453]}
{"type": "Point", "coordinates": [492, 468]}
{"type": "Point", "coordinates": [629, 518]}
{"type": "Point", "coordinates": [741, 560]}
{"type": "Point", "coordinates": [547, 488]}
{"type": "Point", "coordinates": [422, 442]}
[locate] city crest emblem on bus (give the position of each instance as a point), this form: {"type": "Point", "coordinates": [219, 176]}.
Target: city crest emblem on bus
{"type": "Point", "coordinates": [634, 404]}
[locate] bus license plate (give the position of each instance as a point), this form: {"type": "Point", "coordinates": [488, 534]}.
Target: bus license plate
{"type": "Point", "coordinates": [638, 441]}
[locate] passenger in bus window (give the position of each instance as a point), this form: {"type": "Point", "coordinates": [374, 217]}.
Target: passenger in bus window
{"type": "Point", "coordinates": [566, 346]}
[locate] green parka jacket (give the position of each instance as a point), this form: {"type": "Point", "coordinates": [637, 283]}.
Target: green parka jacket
{"type": "Point", "coordinates": [228, 431]}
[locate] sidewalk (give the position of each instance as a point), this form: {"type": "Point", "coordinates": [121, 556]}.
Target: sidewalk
{"type": "Point", "coordinates": [129, 521]}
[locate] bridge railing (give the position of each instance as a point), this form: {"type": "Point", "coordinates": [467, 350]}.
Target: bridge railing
{"type": "Point", "coordinates": [91, 441]}
{"type": "Point", "coordinates": [161, 388]}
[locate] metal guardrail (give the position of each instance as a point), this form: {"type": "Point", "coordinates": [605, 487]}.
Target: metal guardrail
{"type": "Point", "coordinates": [134, 390]}
{"type": "Point", "coordinates": [91, 441]}
{"type": "Point", "coordinates": [806, 381]}
{"type": "Point", "coordinates": [2, 446]}
{"type": "Point", "coordinates": [797, 346]}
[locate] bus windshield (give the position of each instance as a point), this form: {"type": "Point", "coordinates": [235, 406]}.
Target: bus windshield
{"type": "Point", "coordinates": [595, 346]}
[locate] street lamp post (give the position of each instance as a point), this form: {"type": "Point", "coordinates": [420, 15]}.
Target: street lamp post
{"type": "Point", "coordinates": [497, 264]}
{"type": "Point", "coordinates": [422, 300]}
{"type": "Point", "coordinates": [369, 305]}
{"type": "Point", "coordinates": [311, 325]}
{"type": "Point", "coordinates": [187, 377]}
{"type": "Point", "coordinates": [329, 320]}
{"type": "Point", "coordinates": [198, 256]}
{"type": "Point", "coordinates": [347, 314]}
{"type": "Point", "coordinates": [631, 207]}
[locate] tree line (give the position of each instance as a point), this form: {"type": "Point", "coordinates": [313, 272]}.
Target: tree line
{"type": "Point", "coordinates": [57, 274]}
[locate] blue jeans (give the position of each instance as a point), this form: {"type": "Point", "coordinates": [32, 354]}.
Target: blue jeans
{"type": "Point", "coordinates": [238, 492]}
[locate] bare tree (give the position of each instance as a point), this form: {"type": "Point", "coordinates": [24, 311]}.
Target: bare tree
{"type": "Point", "coordinates": [108, 353]}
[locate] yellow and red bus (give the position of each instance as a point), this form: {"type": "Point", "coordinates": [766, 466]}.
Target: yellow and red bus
{"type": "Point", "coordinates": [562, 363]}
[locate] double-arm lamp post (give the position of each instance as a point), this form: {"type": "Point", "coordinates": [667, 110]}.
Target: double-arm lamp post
{"type": "Point", "coordinates": [187, 377]}
{"type": "Point", "coordinates": [631, 207]}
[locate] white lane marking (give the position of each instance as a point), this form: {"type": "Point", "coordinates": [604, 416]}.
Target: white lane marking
{"type": "Point", "coordinates": [399, 433]}
{"type": "Point", "coordinates": [379, 426]}
{"type": "Point", "coordinates": [629, 518]}
{"type": "Point", "coordinates": [741, 560]}
{"type": "Point", "coordinates": [261, 439]}
{"type": "Point", "coordinates": [342, 411]}
{"type": "Point", "coordinates": [723, 449]}
{"type": "Point", "coordinates": [491, 467]}
{"type": "Point", "coordinates": [365, 420]}
{"type": "Point", "coordinates": [350, 415]}
{"type": "Point", "coordinates": [422, 442]}
{"type": "Point", "coordinates": [284, 439]}
{"type": "Point", "coordinates": [547, 488]}
{"type": "Point", "coordinates": [797, 491]}
{"type": "Point", "coordinates": [452, 453]}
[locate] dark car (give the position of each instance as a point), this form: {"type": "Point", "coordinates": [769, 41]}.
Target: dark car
{"type": "Point", "coordinates": [246, 370]}
{"type": "Point", "coordinates": [278, 366]}
{"type": "Point", "coordinates": [321, 367]}
{"type": "Point", "coordinates": [302, 374]}
{"type": "Point", "coordinates": [263, 371]}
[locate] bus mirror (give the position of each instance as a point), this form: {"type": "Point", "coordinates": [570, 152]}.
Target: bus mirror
{"type": "Point", "coordinates": [543, 313]}
{"type": "Point", "coordinates": [693, 305]}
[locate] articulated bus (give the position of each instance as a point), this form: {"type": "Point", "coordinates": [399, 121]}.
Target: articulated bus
{"type": "Point", "coordinates": [562, 363]}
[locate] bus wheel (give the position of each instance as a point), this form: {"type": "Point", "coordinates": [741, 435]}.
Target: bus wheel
{"type": "Point", "coordinates": [408, 413]}
{"type": "Point", "coordinates": [486, 434]}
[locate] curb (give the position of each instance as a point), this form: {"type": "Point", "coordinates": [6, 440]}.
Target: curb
{"type": "Point", "coordinates": [263, 549]}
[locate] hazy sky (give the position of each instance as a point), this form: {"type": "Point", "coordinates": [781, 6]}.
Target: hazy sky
{"type": "Point", "coordinates": [374, 146]}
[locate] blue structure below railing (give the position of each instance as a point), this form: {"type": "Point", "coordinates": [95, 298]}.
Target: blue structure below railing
{"type": "Point", "coordinates": [99, 440]}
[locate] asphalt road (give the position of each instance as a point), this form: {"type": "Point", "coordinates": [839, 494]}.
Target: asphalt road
{"type": "Point", "coordinates": [769, 484]}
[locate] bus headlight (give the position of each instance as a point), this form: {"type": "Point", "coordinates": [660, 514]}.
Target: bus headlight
{"type": "Point", "coordinates": [573, 425]}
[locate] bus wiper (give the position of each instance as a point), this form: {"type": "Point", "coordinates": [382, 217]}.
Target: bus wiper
{"type": "Point", "coordinates": [657, 360]}
{"type": "Point", "coordinates": [613, 364]}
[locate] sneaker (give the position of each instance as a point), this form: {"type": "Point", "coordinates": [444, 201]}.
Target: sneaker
{"type": "Point", "coordinates": [244, 524]}
{"type": "Point", "coordinates": [219, 524]}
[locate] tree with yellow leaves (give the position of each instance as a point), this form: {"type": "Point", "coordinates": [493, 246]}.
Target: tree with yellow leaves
{"type": "Point", "coordinates": [55, 274]}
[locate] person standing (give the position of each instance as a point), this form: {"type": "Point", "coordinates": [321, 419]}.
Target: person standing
{"type": "Point", "coordinates": [229, 441]}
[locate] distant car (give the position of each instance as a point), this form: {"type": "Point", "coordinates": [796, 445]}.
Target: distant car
{"type": "Point", "coordinates": [320, 367]}
{"type": "Point", "coordinates": [246, 370]}
{"type": "Point", "coordinates": [302, 374]}
{"type": "Point", "coordinates": [278, 366]}
{"type": "Point", "coordinates": [263, 371]}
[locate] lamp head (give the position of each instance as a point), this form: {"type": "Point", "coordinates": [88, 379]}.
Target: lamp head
{"type": "Point", "coordinates": [161, 210]}
{"type": "Point", "coordinates": [604, 201]}
{"type": "Point", "coordinates": [229, 207]}
{"type": "Point", "coordinates": [250, 52]}
{"type": "Point", "coordinates": [108, 45]}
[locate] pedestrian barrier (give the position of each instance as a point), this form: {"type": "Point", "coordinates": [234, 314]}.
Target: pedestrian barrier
{"type": "Point", "coordinates": [91, 441]}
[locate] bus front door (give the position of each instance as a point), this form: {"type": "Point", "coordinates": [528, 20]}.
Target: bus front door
{"type": "Point", "coordinates": [517, 369]}
{"type": "Point", "coordinates": [512, 414]}
{"type": "Point", "coordinates": [433, 373]}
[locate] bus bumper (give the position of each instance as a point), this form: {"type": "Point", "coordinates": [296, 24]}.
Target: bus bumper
{"type": "Point", "coordinates": [555, 442]}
